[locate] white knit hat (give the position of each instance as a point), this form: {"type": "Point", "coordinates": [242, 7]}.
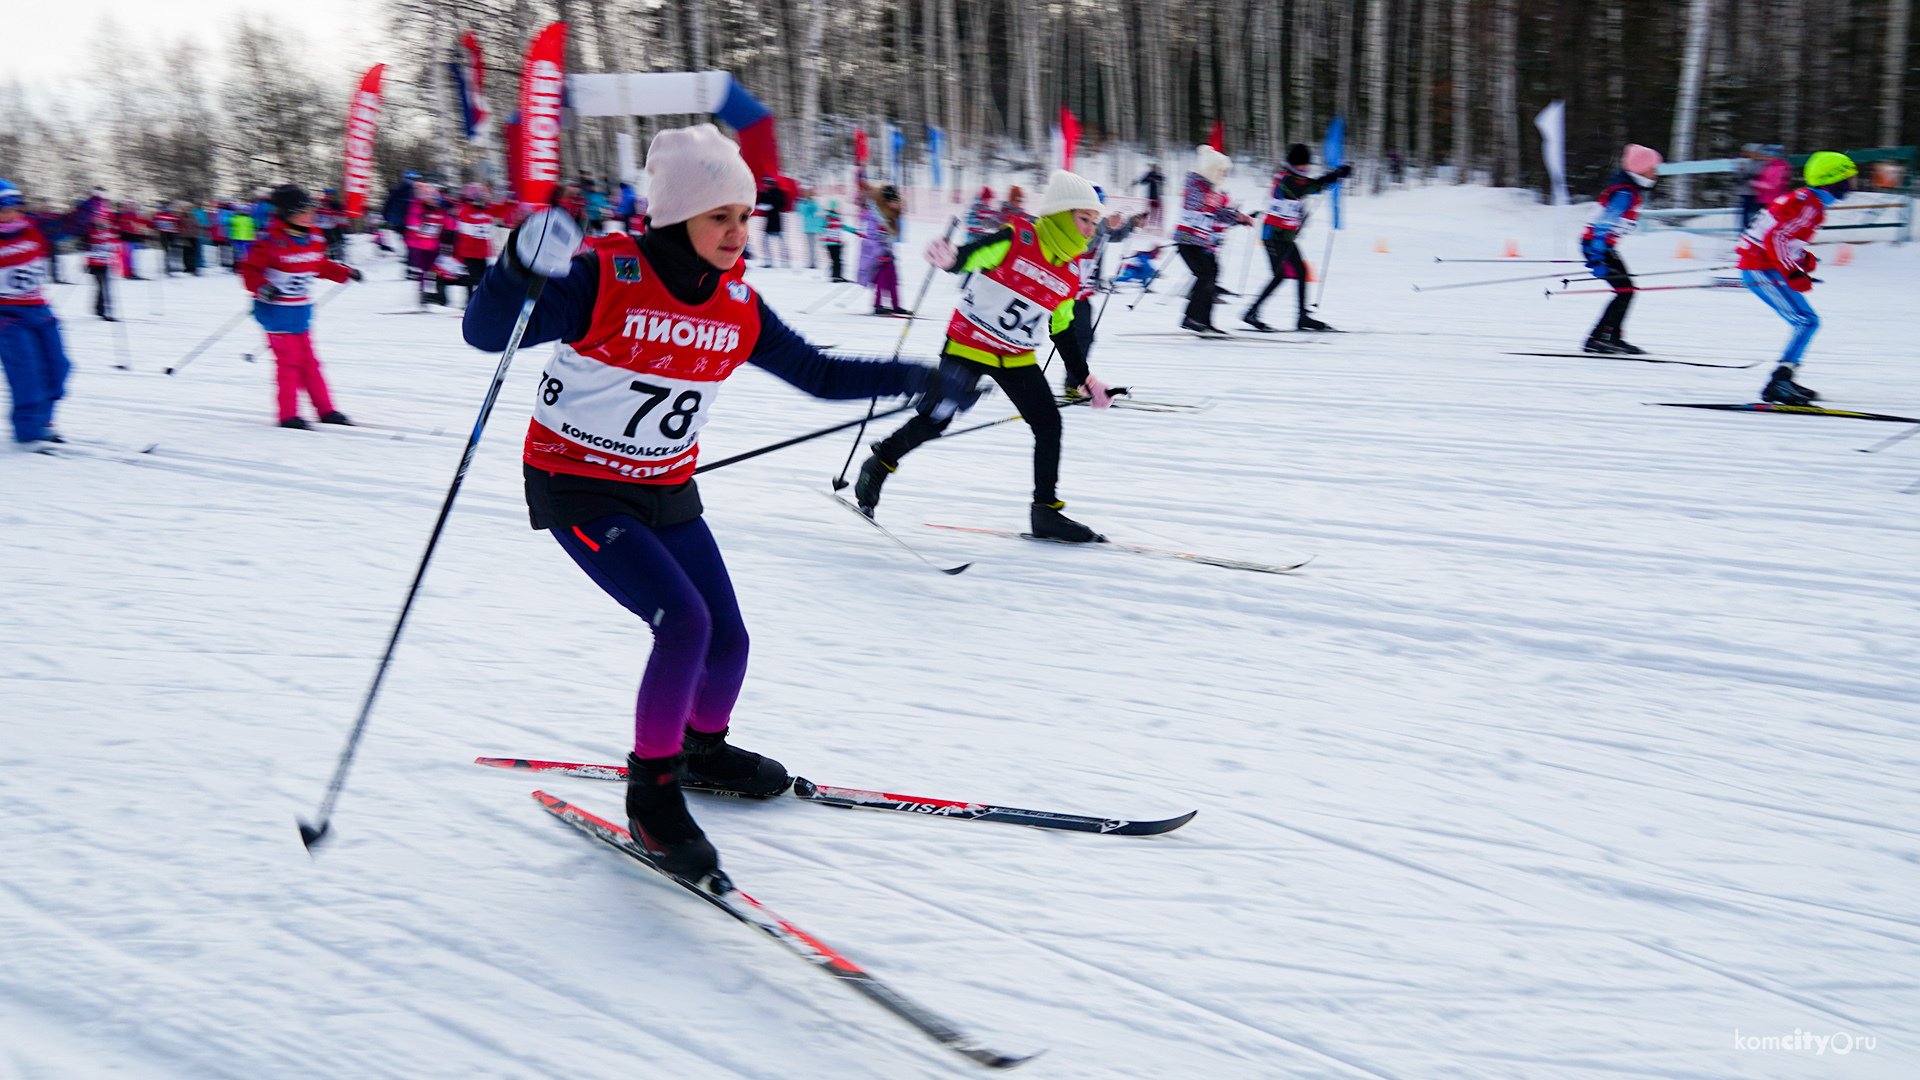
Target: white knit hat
{"type": "Point", "coordinates": [1068, 191]}
{"type": "Point", "coordinates": [692, 170]}
{"type": "Point", "coordinates": [1213, 165]}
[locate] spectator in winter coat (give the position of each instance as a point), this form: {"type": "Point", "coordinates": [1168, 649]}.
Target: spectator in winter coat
{"type": "Point", "coordinates": [192, 229]}
{"type": "Point", "coordinates": [830, 235]}
{"type": "Point", "coordinates": [880, 230]}
{"type": "Point", "coordinates": [1764, 176]}
{"type": "Point", "coordinates": [812, 221]}
{"type": "Point", "coordinates": [1154, 180]}
{"type": "Point", "coordinates": [393, 212]}
{"type": "Point", "coordinates": [772, 205]}
{"type": "Point", "coordinates": [982, 220]}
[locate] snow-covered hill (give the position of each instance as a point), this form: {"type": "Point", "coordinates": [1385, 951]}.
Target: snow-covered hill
{"type": "Point", "coordinates": [1585, 747]}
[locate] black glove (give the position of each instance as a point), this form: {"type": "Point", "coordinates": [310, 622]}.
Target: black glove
{"type": "Point", "coordinates": [267, 292]}
{"type": "Point", "coordinates": [1343, 172]}
{"type": "Point", "coordinates": [354, 274]}
{"type": "Point", "coordinates": [949, 389]}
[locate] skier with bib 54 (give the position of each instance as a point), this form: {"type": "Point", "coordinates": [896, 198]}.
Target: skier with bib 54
{"type": "Point", "coordinates": [1022, 286]}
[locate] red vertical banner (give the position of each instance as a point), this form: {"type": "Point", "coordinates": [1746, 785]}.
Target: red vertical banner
{"type": "Point", "coordinates": [859, 146]}
{"type": "Point", "coordinates": [1217, 138]}
{"type": "Point", "coordinates": [542, 90]}
{"type": "Point", "coordinates": [363, 118]}
{"type": "Point", "coordinates": [1069, 137]}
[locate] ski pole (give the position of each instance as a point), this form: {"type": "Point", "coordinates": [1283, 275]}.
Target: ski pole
{"type": "Point", "coordinates": [1509, 262]}
{"type": "Point", "coordinates": [840, 481]}
{"type": "Point", "coordinates": [312, 834]}
{"type": "Point", "coordinates": [1326, 269]}
{"type": "Point", "coordinates": [824, 298]}
{"type": "Point", "coordinates": [1558, 274]}
{"type": "Point", "coordinates": [235, 321]}
{"type": "Point", "coordinates": [1650, 288]}
{"type": "Point", "coordinates": [797, 439]}
{"type": "Point", "coordinates": [1912, 430]}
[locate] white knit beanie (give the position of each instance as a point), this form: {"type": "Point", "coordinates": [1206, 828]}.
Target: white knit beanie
{"type": "Point", "coordinates": [1213, 165]}
{"type": "Point", "coordinates": [1068, 191]}
{"type": "Point", "coordinates": [692, 170]}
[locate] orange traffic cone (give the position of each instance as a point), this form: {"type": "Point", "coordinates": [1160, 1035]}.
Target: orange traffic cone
{"type": "Point", "coordinates": [1513, 249]}
{"type": "Point", "coordinates": [1684, 250]}
{"type": "Point", "coordinates": [1380, 245]}
{"type": "Point", "coordinates": [1844, 255]}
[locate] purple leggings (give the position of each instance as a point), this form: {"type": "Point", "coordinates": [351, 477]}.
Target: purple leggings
{"type": "Point", "coordinates": [886, 283]}
{"type": "Point", "coordinates": [672, 577]}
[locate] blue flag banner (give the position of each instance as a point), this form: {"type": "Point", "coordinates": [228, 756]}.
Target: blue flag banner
{"type": "Point", "coordinates": [1334, 151]}
{"type": "Point", "coordinates": [936, 155]}
{"type": "Point", "coordinates": [896, 149]}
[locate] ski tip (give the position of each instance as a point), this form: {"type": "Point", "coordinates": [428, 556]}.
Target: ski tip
{"type": "Point", "coordinates": [1155, 828]}
{"type": "Point", "coordinates": [950, 570]}
{"type": "Point", "coordinates": [169, 371]}
{"type": "Point", "coordinates": [993, 1059]}
{"type": "Point", "coordinates": [312, 836]}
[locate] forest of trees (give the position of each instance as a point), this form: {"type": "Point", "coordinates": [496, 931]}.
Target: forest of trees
{"type": "Point", "coordinates": [1450, 86]}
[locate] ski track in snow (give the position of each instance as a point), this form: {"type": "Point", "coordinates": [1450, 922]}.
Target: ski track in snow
{"type": "Point", "coordinates": [1586, 740]}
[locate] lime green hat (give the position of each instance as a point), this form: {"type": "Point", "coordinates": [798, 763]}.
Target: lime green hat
{"type": "Point", "coordinates": [1827, 167]}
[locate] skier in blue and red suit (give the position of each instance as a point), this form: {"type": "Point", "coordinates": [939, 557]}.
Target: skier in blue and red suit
{"type": "Point", "coordinates": [651, 327]}
{"type": "Point", "coordinates": [1619, 215]}
{"type": "Point", "coordinates": [30, 346]}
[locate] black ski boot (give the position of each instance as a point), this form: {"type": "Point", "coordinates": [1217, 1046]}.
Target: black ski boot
{"type": "Point", "coordinates": [1308, 322]}
{"type": "Point", "coordinates": [1050, 524]}
{"type": "Point", "coordinates": [336, 417]}
{"type": "Point", "coordinates": [1253, 320]}
{"type": "Point", "coordinates": [1195, 326]}
{"type": "Point", "coordinates": [1782, 390]}
{"type": "Point", "coordinates": [294, 422]}
{"type": "Point", "coordinates": [658, 818]}
{"type": "Point", "coordinates": [714, 764]}
{"type": "Point", "coordinates": [1602, 343]}
{"type": "Point", "coordinates": [866, 486]}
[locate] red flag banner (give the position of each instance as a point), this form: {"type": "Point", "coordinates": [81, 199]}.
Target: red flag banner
{"type": "Point", "coordinates": [1217, 138]}
{"type": "Point", "coordinates": [363, 117]}
{"type": "Point", "coordinates": [859, 146]}
{"type": "Point", "coordinates": [542, 87]}
{"type": "Point", "coordinates": [1069, 137]}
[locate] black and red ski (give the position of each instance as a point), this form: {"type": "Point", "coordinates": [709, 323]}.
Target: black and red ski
{"type": "Point", "coordinates": [719, 891]}
{"type": "Point", "coordinates": [855, 799]}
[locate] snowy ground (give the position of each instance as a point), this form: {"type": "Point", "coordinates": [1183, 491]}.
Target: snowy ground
{"type": "Point", "coordinates": [1584, 747]}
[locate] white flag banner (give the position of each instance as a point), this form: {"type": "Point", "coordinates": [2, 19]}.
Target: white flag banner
{"type": "Point", "coordinates": [1552, 123]}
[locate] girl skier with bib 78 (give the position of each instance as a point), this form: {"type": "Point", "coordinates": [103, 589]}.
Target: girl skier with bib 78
{"type": "Point", "coordinates": [651, 327]}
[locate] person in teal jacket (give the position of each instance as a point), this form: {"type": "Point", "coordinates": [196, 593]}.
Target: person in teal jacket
{"type": "Point", "coordinates": [813, 222]}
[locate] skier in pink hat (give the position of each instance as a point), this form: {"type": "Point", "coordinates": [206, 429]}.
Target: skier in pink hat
{"type": "Point", "coordinates": [1619, 214]}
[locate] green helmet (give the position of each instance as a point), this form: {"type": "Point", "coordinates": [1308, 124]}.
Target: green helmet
{"type": "Point", "coordinates": [1827, 167]}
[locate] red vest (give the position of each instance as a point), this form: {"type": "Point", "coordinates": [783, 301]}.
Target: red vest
{"type": "Point", "coordinates": [474, 224]}
{"type": "Point", "coordinates": [23, 265]}
{"type": "Point", "coordinates": [627, 400]}
{"type": "Point", "coordinates": [1005, 311]}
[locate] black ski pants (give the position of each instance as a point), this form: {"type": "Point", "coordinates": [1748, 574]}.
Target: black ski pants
{"type": "Point", "coordinates": [1283, 254]}
{"type": "Point", "coordinates": [1622, 282]}
{"type": "Point", "coordinates": [1025, 387]}
{"type": "Point", "coordinates": [102, 304]}
{"type": "Point", "coordinates": [833, 257]}
{"type": "Point", "coordinates": [1206, 273]}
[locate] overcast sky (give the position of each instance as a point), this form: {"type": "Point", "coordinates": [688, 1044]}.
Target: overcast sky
{"type": "Point", "coordinates": [53, 38]}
